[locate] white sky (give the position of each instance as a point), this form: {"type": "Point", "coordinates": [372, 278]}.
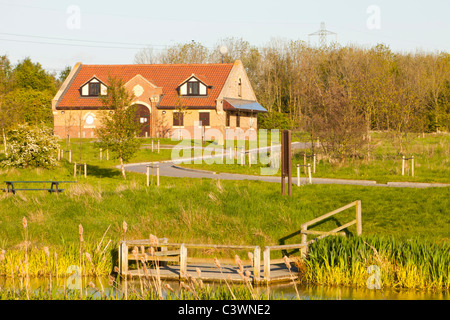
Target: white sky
{"type": "Point", "coordinates": [109, 33]}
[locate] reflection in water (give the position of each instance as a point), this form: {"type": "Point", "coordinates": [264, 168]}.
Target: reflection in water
{"type": "Point", "coordinates": [280, 291]}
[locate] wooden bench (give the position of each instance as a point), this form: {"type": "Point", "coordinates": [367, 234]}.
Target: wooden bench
{"type": "Point", "coordinates": [54, 186]}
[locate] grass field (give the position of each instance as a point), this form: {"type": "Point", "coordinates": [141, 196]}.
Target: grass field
{"type": "Point", "coordinates": [432, 162]}
{"type": "Point", "coordinates": [195, 211]}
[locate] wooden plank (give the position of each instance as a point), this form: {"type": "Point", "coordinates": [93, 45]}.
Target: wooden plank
{"type": "Point", "coordinates": [329, 214]}
{"type": "Point", "coordinates": [266, 263]}
{"type": "Point", "coordinates": [334, 230]}
{"type": "Point", "coordinates": [321, 232]}
{"type": "Point", "coordinates": [287, 246]}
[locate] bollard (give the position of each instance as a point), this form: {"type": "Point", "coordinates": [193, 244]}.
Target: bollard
{"type": "Point", "coordinates": [158, 146]}
{"type": "Point", "coordinates": [298, 175]}
{"type": "Point", "coordinates": [62, 154]}
{"type": "Point", "coordinates": [85, 170]}
{"type": "Point", "coordinates": [309, 173]}
{"type": "Point", "coordinates": [152, 145]}
{"type": "Point", "coordinates": [403, 165]}
{"type": "Point", "coordinates": [412, 166]}
{"type": "Point", "coordinates": [148, 176]}
{"type": "Point", "coordinates": [101, 153]}
{"type": "Point", "coordinates": [75, 170]}
{"type": "Point", "coordinates": [59, 154]}
{"type": "Point", "coordinates": [70, 155]}
{"type": "Point", "coordinates": [107, 154]}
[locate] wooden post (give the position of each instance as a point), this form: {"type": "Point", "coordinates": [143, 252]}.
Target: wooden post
{"type": "Point", "coordinates": [148, 176]}
{"type": "Point", "coordinates": [403, 165]}
{"type": "Point", "coordinates": [59, 154]}
{"type": "Point", "coordinates": [124, 258]}
{"type": "Point", "coordinates": [298, 175]}
{"type": "Point", "coordinates": [358, 218]}
{"type": "Point", "coordinates": [249, 160]}
{"type": "Point", "coordinates": [158, 146]}
{"type": "Point", "coordinates": [266, 264]}
{"type": "Point", "coordinates": [412, 166]}
{"type": "Point", "coordinates": [183, 260]}
{"type": "Point", "coordinates": [304, 249]}
{"type": "Point", "coordinates": [242, 156]}
{"type": "Point", "coordinates": [314, 163]}
{"type": "Point", "coordinates": [85, 170]}
{"type": "Point", "coordinates": [62, 154]}
{"type": "Point", "coordinates": [152, 145]}
{"type": "Point", "coordinates": [153, 165]}
{"type": "Point", "coordinates": [70, 155]}
{"type": "Point", "coordinates": [309, 173]}
{"type": "Point", "coordinates": [101, 154]}
{"type": "Point", "coordinates": [257, 264]}
{"type": "Point", "coordinates": [75, 170]}
{"type": "Point", "coordinates": [107, 154]}
{"type": "Point", "coordinates": [157, 175]}
{"type": "Point", "coordinates": [164, 263]}
{"type": "Point", "coordinates": [235, 152]}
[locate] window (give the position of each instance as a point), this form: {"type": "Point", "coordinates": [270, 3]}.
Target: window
{"type": "Point", "coordinates": [238, 120]}
{"type": "Point", "coordinates": [178, 119]}
{"type": "Point", "coordinates": [94, 88]}
{"type": "Point", "coordinates": [193, 88]}
{"type": "Point", "coordinates": [89, 120]}
{"type": "Point", "coordinates": [240, 87]}
{"type": "Point", "coordinates": [228, 120]}
{"type": "Point", "coordinates": [203, 117]}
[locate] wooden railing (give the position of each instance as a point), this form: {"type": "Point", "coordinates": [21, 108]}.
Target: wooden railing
{"type": "Point", "coordinates": [304, 227]}
{"type": "Point", "coordinates": [180, 254]}
{"type": "Point", "coordinates": [179, 251]}
{"type": "Point", "coordinates": [303, 246]}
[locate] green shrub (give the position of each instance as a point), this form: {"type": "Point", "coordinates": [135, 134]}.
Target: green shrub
{"type": "Point", "coordinates": [30, 147]}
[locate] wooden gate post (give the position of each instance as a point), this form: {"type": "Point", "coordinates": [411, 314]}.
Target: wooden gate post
{"type": "Point", "coordinates": [286, 170]}
{"type": "Point", "coordinates": [304, 249]}
{"type": "Point", "coordinates": [266, 264]}
{"type": "Point", "coordinates": [257, 264]}
{"type": "Point", "coordinates": [403, 165]}
{"type": "Point", "coordinates": [123, 259]}
{"type": "Point", "coordinates": [183, 260]}
{"type": "Point", "coordinates": [412, 165]}
{"type": "Point", "coordinates": [358, 218]}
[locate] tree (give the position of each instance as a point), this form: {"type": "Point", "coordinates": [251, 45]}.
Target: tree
{"type": "Point", "coordinates": [120, 128]}
{"type": "Point", "coordinates": [31, 147]}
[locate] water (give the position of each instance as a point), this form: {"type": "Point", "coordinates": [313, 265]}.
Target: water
{"type": "Point", "coordinates": [280, 291]}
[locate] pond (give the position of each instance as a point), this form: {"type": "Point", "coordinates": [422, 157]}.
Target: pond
{"type": "Point", "coordinates": [277, 291]}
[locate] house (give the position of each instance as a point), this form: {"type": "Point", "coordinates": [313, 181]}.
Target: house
{"type": "Point", "coordinates": [171, 99]}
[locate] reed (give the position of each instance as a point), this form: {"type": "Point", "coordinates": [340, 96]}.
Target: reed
{"type": "Point", "coordinates": [412, 264]}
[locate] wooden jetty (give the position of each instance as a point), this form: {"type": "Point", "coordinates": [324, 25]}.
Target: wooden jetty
{"type": "Point", "coordinates": [170, 261]}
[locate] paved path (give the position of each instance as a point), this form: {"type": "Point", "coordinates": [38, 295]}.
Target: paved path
{"type": "Point", "coordinates": [171, 169]}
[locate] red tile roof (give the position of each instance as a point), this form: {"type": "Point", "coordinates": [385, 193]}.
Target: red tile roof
{"type": "Point", "coordinates": [167, 76]}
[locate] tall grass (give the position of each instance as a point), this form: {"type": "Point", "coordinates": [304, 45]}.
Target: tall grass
{"type": "Point", "coordinates": [413, 264]}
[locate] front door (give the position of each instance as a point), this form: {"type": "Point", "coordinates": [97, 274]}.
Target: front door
{"type": "Point", "coordinates": [143, 117]}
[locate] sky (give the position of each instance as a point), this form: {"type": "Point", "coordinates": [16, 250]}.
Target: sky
{"type": "Point", "coordinates": [60, 33]}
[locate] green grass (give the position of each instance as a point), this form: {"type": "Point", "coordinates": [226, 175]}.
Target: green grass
{"type": "Point", "coordinates": [432, 162]}
{"type": "Point", "coordinates": [198, 211]}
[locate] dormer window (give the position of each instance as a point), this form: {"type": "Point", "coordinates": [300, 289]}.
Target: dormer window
{"type": "Point", "coordinates": [193, 87]}
{"type": "Point", "coordinates": [93, 88]}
